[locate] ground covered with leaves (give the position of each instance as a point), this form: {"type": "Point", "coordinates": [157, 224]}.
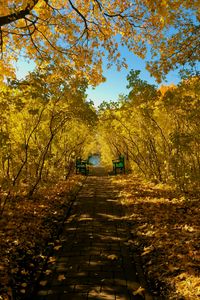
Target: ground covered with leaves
{"type": "Point", "coordinates": [30, 232]}
{"type": "Point", "coordinates": [165, 232]}
{"type": "Point", "coordinates": [164, 227]}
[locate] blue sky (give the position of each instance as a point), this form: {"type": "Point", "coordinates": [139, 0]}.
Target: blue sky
{"type": "Point", "coordinates": [115, 81]}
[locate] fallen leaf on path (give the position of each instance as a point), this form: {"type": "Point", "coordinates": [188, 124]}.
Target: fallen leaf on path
{"type": "Point", "coordinates": [61, 277]}
{"type": "Point", "coordinates": [57, 247]}
{"type": "Point", "coordinates": [24, 284]}
{"type": "Point", "coordinates": [140, 291]}
{"type": "Point", "coordinates": [48, 272]}
{"type": "Point", "coordinates": [113, 257]}
{"type": "Point", "coordinates": [147, 250]}
{"type": "Point", "coordinates": [172, 268]}
{"type": "Point", "coordinates": [43, 282]}
{"type": "Point", "coordinates": [52, 259]}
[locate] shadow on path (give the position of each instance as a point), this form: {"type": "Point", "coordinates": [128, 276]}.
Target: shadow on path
{"type": "Point", "coordinates": [94, 261]}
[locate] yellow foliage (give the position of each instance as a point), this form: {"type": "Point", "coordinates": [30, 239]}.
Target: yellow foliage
{"type": "Point", "coordinates": [78, 32]}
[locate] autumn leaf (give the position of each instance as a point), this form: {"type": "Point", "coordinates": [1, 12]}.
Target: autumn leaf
{"type": "Point", "coordinates": [48, 272]}
{"type": "Point", "coordinates": [172, 268]}
{"type": "Point", "coordinates": [52, 259]}
{"type": "Point", "coordinates": [140, 291]}
{"type": "Point", "coordinates": [57, 247]}
{"type": "Point", "coordinates": [61, 277]}
{"type": "Point", "coordinates": [112, 257]}
{"type": "Point", "coordinates": [24, 284]}
{"type": "Point", "coordinates": [43, 282]}
{"type": "Point", "coordinates": [147, 250]}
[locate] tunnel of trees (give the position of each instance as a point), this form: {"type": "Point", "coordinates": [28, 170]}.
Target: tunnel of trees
{"type": "Point", "coordinates": [47, 121]}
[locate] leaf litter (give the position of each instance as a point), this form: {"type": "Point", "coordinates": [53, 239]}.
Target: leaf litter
{"type": "Point", "coordinates": [29, 228]}
{"type": "Point", "coordinates": [165, 233]}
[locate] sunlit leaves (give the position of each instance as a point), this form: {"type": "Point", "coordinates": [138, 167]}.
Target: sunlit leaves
{"type": "Point", "coordinates": [47, 122]}
{"type": "Point", "coordinates": [81, 32]}
{"type": "Point", "coordinates": [157, 130]}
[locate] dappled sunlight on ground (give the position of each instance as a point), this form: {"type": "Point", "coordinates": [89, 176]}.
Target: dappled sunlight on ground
{"type": "Point", "coordinates": [109, 217]}
{"type": "Point", "coordinates": [185, 283]}
{"type": "Point", "coordinates": [114, 222]}
{"type": "Point", "coordinates": [94, 261]}
{"type": "Point", "coordinates": [165, 230]}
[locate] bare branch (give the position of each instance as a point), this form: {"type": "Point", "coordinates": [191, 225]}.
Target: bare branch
{"type": "Point", "coordinates": [99, 4]}
{"type": "Point", "coordinates": [34, 44]}
{"type": "Point", "coordinates": [50, 43]}
{"type": "Point", "coordinates": [18, 15]}
{"type": "Point", "coordinates": [1, 41]}
{"type": "Point", "coordinates": [79, 13]}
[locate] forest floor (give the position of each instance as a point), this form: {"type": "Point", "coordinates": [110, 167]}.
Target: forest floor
{"type": "Point", "coordinates": [163, 226]}
{"type": "Point", "coordinates": [29, 233]}
{"type": "Point", "coordinates": [165, 229]}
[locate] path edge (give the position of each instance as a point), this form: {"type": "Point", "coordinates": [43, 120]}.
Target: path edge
{"type": "Point", "coordinates": [71, 197]}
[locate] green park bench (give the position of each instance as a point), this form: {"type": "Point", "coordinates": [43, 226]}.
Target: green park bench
{"type": "Point", "coordinates": [82, 166]}
{"type": "Point", "coordinates": [118, 164]}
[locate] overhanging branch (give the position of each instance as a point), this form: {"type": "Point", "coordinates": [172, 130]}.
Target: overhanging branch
{"type": "Point", "coordinates": [4, 20]}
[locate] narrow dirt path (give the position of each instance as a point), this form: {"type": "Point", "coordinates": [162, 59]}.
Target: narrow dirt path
{"type": "Point", "coordinates": [95, 261]}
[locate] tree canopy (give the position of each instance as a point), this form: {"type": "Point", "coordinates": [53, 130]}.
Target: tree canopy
{"type": "Point", "coordinates": [156, 129]}
{"type": "Point", "coordinates": [79, 34]}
